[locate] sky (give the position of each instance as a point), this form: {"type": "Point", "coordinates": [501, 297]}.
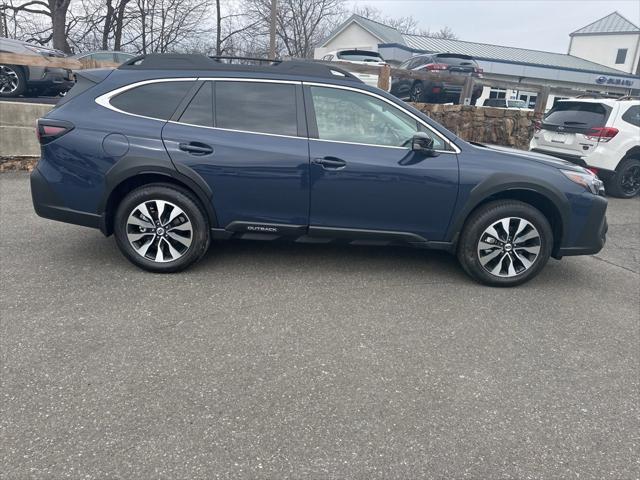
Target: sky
{"type": "Point", "coordinates": [540, 25]}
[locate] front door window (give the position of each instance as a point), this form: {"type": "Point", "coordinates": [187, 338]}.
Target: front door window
{"type": "Point", "coordinates": [353, 117]}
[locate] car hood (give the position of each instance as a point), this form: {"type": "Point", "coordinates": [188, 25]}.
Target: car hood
{"type": "Point", "coordinates": [532, 156]}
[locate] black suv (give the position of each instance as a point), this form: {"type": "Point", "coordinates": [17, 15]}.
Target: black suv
{"type": "Point", "coordinates": [435, 91]}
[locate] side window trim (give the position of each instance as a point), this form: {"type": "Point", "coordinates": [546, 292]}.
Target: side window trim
{"type": "Point", "coordinates": [182, 106]}
{"type": "Point", "coordinates": [313, 127]}
{"type": "Point", "coordinates": [105, 99]}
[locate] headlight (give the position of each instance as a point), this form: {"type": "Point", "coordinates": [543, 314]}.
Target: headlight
{"type": "Point", "coordinates": [587, 179]}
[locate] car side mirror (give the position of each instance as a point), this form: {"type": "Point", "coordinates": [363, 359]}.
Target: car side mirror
{"type": "Point", "coordinates": [423, 143]}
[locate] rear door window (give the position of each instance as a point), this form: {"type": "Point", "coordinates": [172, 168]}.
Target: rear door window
{"type": "Point", "coordinates": [576, 116]}
{"type": "Point", "coordinates": [155, 100]}
{"type": "Point", "coordinates": [200, 109]}
{"type": "Point", "coordinates": [260, 107]}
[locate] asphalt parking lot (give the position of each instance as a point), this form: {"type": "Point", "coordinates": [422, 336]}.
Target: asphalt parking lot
{"type": "Point", "coordinates": [319, 362]}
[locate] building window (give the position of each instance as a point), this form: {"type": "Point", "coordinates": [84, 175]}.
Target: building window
{"type": "Point", "coordinates": [621, 57]}
{"type": "Point", "coordinates": [497, 93]}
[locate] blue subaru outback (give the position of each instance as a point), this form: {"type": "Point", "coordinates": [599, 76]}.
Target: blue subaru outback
{"type": "Point", "coordinates": [169, 152]}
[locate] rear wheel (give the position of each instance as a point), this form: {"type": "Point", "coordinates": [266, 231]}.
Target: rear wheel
{"type": "Point", "coordinates": [161, 228]}
{"type": "Point", "coordinates": [625, 183]}
{"type": "Point", "coordinates": [12, 81]}
{"type": "Point", "coordinates": [505, 243]}
{"type": "Point", "coordinates": [417, 93]}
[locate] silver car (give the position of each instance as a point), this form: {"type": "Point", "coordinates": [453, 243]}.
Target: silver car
{"type": "Point", "coordinates": [16, 80]}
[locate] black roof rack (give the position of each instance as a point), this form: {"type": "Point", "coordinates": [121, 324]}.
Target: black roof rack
{"type": "Point", "coordinates": [156, 61]}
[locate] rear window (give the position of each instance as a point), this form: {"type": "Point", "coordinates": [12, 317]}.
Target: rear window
{"type": "Point", "coordinates": [360, 56]}
{"type": "Point", "coordinates": [455, 60]}
{"type": "Point", "coordinates": [577, 116]}
{"type": "Point", "coordinates": [256, 107]}
{"type": "Point", "coordinates": [156, 100]}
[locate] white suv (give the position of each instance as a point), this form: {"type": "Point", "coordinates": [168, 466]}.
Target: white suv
{"type": "Point", "coordinates": [362, 57]}
{"type": "Point", "coordinates": [600, 134]}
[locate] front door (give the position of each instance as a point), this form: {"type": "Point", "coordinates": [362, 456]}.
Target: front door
{"type": "Point", "coordinates": [364, 175]}
{"type": "Point", "coordinates": [248, 141]}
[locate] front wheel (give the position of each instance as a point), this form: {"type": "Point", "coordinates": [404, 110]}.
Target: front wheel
{"type": "Point", "coordinates": [625, 183]}
{"type": "Point", "coordinates": [505, 243]}
{"type": "Point", "coordinates": [161, 228]}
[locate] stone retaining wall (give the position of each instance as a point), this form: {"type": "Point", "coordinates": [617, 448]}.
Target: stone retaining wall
{"type": "Point", "coordinates": [497, 126]}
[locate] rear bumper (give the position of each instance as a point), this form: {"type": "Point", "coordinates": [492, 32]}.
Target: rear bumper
{"type": "Point", "coordinates": [593, 234]}
{"type": "Point", "coordinates": [48, 205]}
{"type": "Point", "coordinates": [53, 79]}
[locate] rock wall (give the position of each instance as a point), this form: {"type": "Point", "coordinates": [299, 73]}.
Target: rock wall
{"type": "Point", "coordinates": [498, 126]}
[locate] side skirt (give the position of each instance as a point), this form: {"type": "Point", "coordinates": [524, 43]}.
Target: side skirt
{"type": "Point", "coordinates": [324, 235]}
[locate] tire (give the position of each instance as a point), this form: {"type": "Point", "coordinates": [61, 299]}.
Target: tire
{"type": "Point", "coordinates": [13, 82]}
{"type": "Point", "coordinates": [625, 182]}
{"type": "Point", "coordinates": [416, 95]}
{"type": "Point", "coordinates": [508, 260]}
{"type": "Point", "coordinates": [174, 240]}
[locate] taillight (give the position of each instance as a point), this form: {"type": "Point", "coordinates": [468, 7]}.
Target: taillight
{"type": "Point", "coordinates": [477, 71]}
{"type": "Point", "coordinates": [436, 67]}
{"type": "Point", "coordinates": [48, 130]}
{"type": "Point", "coordinates": [537, 126]}
{"type": "Point", "coordinates": [601, 134]}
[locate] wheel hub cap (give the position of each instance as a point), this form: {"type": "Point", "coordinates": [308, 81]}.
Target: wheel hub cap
{"type": "Point", "coordinates": [159, 231]}
{"type": "Point", "coordinates": [509, 247]}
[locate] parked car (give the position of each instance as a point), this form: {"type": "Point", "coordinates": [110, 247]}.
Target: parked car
{"type": "Point", "coordinates": [362, 57]}
{"type": "Point", "coordinates": [168, 152]}
{"type": "Point", "coordinates": [506, 103]}
{"type": "Point", "coordinates": [600, 134]}
{"type": "Point", "coordinates": [16, 80]}
{"type": "Point", "coordinates": [436, 91]}
{"type": "Point", "coordinates": [104, 56]}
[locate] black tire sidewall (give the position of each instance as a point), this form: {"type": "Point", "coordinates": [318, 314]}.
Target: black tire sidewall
{"type": "Point", "coordinates": [485, 216]}
{"type": "Point", "coordinates": [181, 198]}
{"type": "Point", "coordinates": [22, 82]}
{"type": "Point", "coordinates": [614, 184]}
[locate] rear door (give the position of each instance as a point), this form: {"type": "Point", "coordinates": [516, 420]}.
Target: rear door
{"type": "Point", "coordinates": [566, 127]}
{"type": "Point", "coordinates": [248, 141]}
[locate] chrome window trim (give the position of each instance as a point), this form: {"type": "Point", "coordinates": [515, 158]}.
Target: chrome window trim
{"type": "Point", "coordinates": [104, 100]}
{"type": "Point", "coordinates": [455, 148]}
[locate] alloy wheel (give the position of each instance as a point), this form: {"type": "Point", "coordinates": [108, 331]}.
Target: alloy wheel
{"type": "Point", "coordinates": [9, 80]}
{"type": "Point", "coordinates": [416, 93]}
{"type": "Point", "coordinates": [159, 231]}
{"type": "Point", "coordinates": [630, 182]}
{"type": "Point", "coordinates": [509, 247]}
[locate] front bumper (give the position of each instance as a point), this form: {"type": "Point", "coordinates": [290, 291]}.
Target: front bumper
{"type": "Point", "coordinates": [53, 79]}
{"type": "Point", "coordinates": [592, 236]}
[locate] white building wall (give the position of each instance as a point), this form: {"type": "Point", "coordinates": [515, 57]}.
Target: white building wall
{"type": "Point", "coordinates": [603, 49]}
{"type": "Point", "coordinates": [353, 36]}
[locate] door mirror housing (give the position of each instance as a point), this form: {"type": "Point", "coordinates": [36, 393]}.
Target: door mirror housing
{"type": "Point", "coordinates": [423, 143]}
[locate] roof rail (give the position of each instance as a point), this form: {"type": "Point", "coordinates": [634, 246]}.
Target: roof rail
{"type": "Point", "coordinates": [221, 58]}
{"type": "Point", "coordinates": [629, 97]}
{"type": "Point", "coordinates": [157, 61]}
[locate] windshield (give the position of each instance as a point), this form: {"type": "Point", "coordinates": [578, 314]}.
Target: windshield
{"type": "Point", "coordinates": [577, 115]}
{"type": "Point", "coordinates": [360, 56]}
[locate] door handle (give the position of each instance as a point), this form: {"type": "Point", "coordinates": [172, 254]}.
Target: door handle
{"type": "Point", "coordinates": [195, 148]}
{"type": "Point", "coordinates": [330, 163]}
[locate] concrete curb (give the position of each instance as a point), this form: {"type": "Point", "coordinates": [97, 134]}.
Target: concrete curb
{"type": "Point", "coordinates": [17, 128]}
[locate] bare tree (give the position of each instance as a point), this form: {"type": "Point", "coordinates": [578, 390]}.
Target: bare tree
{"type": "Point", "coordinates": [55, 10]}
{"type": "Point", "coordinates": [300, 24]}
{"type": "Point", "coordinates": [405, 25]}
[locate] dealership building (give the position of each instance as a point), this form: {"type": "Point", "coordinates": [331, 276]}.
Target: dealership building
{"type": "Point", "coordinates": [556, 70]}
